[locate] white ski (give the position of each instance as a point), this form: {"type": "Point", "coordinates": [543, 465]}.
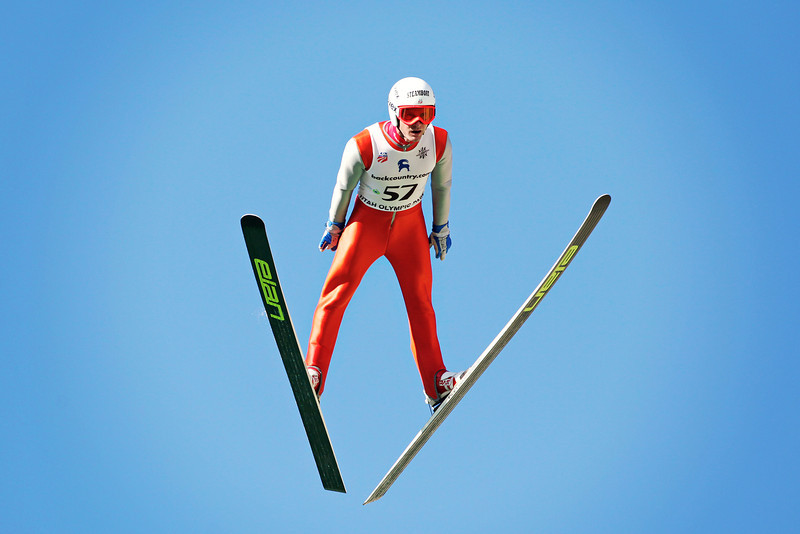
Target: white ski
{"type": "Point", "coordinates": [494, 348]}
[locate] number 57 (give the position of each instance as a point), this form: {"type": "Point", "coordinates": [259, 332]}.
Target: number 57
{"type": "Point", "coordinates": [391, 194]}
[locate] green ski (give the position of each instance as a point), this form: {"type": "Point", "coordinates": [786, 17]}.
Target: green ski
{"type": "Point", "coordinates": [255, 237]}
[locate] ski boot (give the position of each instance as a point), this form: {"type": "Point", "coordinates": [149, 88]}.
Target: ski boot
{"type": "Point", "coordinates": [315, 376]}
{"type": "Point", "coordinates": [445, 382]}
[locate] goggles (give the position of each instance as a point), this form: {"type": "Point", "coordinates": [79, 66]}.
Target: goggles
{"type": "Point", "coordinates": [412, 114]}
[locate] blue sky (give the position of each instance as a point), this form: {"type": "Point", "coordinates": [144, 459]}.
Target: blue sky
{"type": "Point", "coordinates": [654, 390]}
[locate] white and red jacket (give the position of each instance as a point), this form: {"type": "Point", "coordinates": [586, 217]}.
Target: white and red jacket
{"type": "Point", "coordinates": [393, 176]}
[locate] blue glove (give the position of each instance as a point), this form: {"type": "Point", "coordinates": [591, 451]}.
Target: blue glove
{"type": "Point", "coordinates": [330, 239]}
{"type": "Point", "coordinates": [440, 239]}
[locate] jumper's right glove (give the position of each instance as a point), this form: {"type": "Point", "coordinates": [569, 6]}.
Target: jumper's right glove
{"type": "Point", "coordinates": [440, 239]}
{"type": "Point", "coordinates": [330, 239]}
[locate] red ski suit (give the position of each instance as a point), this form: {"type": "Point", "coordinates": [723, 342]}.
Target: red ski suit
{"type": "Point", "coordinates": [395, 231]}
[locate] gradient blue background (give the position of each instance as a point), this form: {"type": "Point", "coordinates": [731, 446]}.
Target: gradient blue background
{"type": "Point", "coordinates": [654, 390]}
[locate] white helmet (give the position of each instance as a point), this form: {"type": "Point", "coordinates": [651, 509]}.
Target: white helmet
{"type": "Point", "coordinates": [409, 92]}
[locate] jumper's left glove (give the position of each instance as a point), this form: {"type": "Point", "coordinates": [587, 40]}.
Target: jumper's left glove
{"type": "Point", "coordinates": [440, 239]}
{"type": "Point", "coordinates": [330, 239]}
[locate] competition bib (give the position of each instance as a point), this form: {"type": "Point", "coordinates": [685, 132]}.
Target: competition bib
{"type": "Point", "coordinates": [395, 180]}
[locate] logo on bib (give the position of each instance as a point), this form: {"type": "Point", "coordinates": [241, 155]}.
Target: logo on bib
{"type": "Point", "coordinates": [403, 164]}
{"type": "Point", "coordinates": [383, 157]}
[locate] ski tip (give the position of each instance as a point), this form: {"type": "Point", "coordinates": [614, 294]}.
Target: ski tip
{"type": "Point", "coordinates": [251, 220]}
{"type": "Point", "coordinates": [603, 199]}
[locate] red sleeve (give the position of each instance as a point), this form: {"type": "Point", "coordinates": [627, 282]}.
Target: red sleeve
{"type": "Point", "coordinates": [364, 142]}
{"type": "Point", "coordinates": [440, 135]}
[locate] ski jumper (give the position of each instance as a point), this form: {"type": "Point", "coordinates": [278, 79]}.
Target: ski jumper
{"type": "Point", "coordinates": [387, 220]}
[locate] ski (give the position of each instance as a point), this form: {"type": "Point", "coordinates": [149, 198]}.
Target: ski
{"type": "Point", "coordinates": [494, 348]}
{"type": "Point", "coordinates": [255, 237]}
